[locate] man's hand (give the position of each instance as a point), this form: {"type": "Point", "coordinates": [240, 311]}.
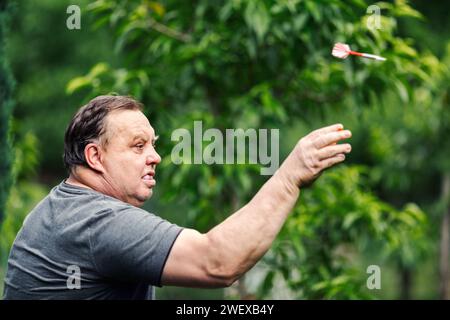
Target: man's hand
{"type": "Point", "coordinates": [314, 153]}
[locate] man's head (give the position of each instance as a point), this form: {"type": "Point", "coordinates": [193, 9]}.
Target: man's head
{"type": "Point", "coordinates": [111, 143]}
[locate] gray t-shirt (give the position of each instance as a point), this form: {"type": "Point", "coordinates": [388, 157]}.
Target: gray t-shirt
{"type": "Point", "coordinates": [81, 244]}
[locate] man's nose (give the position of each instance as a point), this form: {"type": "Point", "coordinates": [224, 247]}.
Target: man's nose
{"type": "Point", "coordinates": [153, 158]}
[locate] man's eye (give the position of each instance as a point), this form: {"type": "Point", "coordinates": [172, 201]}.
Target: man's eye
{"type": "Point", "coordinates": [140, 146]}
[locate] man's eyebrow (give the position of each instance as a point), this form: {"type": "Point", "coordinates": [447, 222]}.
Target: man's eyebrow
{"type": "Point", "coordinates": [144, 137]}
{"type": "Point", "coordinates": [140, 136]}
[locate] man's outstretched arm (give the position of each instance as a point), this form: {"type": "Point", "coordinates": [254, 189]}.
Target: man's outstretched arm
{"type": "Point", "coordinates": [226, 252]}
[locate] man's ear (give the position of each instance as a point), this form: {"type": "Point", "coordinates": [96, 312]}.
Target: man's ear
{"type": "Point", "coordinates": [92, 154]}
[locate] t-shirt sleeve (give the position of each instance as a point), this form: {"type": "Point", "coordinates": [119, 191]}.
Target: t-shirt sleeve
{"type": "Point", "coordinates": [131, 244]}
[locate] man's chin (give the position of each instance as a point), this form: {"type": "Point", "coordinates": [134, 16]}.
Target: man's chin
{"type": "Point", "coordinates": [141, 198]}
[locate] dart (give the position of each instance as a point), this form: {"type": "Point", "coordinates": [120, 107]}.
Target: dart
{"type": "Point", "coordinates": [342, 51]}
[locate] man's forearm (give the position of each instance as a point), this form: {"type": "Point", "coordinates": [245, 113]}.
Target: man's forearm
{"type": "Point", "coordinates": [244, 237]}
{"type": "Point", "coordinates": [241, 240]}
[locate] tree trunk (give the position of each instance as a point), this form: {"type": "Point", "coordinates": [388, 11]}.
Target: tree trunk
{"type": "Point", "coordinates": [444, 249]}
{"type": "Point", "coordinates": [406, 281]}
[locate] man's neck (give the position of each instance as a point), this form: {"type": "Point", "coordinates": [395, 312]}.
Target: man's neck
{"type": "Point", "coordinates": [73, 180]}
{"type": "Point", "coordinates": [86, 178]}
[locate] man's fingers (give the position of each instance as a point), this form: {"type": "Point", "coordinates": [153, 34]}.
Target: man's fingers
{"type": "Point", "coordinates": [332, 128]}
{"type": "Point", "coordinates": [332, 137]}
{"type": "Point", "coordinates": [331, 151]}
{"type": "Point", "coordinates": [332, 161]}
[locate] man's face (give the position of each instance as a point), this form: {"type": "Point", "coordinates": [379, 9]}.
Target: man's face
{"type": "Point", "coordinates": [129, 156]}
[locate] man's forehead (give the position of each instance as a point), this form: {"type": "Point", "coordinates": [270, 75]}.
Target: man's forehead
{"type": "Point", "coordinates": [130, 124]}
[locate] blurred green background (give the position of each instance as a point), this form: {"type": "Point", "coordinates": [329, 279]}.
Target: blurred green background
{"type": "Point", "coordinates": [253, 64]}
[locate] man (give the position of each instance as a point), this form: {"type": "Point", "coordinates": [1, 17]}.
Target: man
{"type": "Point", "coordinates": [89, 240]}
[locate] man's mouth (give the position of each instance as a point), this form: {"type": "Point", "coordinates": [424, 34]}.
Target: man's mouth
{"type": "Point", "coordinates": [149, 180]}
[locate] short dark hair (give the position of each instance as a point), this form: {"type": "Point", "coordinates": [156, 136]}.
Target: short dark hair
{"type": "Point", "coordinates": [88, 125]}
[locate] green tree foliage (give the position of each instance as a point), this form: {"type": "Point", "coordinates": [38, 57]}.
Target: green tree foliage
{"type": "Point", "coordinates": [408, 148]}
{"type": "Point", "coordinates": [317, 251]}
{"type": "Point", "coordinates": [25, 193]}
{"type": "Point", "coordinates": [44, 55]}
{"type": "Point", "coordinates": [267, 64]}
{"type": "Point", "coordinates": [6, 105]}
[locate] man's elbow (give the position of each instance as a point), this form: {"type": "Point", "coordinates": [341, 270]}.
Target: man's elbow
{"type": "Point", "coordinates": [219, 268]}
{"type": "Point", "coordinates": [229, 282]}
{"type": "Point", "coordinates": [224, 273]}
{"type": "Point", "coordinates": [219, 278]}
